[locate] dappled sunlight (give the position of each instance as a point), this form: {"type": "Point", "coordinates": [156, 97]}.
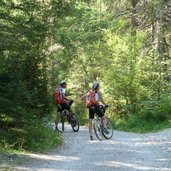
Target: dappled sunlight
{"type": "Point", "coordinates": [18, 168]}
{"type": "Point", "coordinates": [137, 151]}
{"type": "Point", "coordinates": [125, 152]}
{"type": "Point", "coordinates": [54, 157]}
{"type": "Point", "coordinates": [124, 165]}
{"type": "Point", "coordinates": [164, 160]}
{"type": "Point", "coordinates": [141, 140]}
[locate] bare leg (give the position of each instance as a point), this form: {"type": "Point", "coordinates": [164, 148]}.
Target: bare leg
{"type": "Point", "coordinates": [57, 119]}
{"type": "Point", "coordinates": [90, 127]}
{"type": "Point", "coordinates": [104, 121]}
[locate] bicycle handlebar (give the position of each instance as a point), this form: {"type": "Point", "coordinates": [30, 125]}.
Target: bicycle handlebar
{"type": "Point", "coordinates": [104, 106]}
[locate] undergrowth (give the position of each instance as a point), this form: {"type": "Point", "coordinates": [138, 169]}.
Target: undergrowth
{"type": "Point", "coordinates": [35, 137]}
{"type": "Point", "coordinates": [137, 124]}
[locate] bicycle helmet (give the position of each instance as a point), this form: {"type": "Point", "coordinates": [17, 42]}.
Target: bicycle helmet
{"type": "Point", "coordinates": [62, 82]}
{"type": "Point", "coordinates": [95, 86]}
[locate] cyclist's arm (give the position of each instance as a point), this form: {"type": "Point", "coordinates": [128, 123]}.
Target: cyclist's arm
{"type": "Point", "coordinates": [64, 97]}
{"type": "Point", "coordinates": [84, 97]}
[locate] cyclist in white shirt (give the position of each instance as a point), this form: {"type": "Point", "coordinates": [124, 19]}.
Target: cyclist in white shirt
{"type": "Point", "coordinates": [64, 104]}
{"type": "Point", "coordinates": [95, 109]}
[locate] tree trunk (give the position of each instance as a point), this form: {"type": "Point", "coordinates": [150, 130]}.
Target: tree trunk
{"type": "Point", "coordinates": [160, 48]}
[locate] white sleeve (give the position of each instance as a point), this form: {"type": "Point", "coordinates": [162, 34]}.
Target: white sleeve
{"type": "Point", "coordinates": [63, 91]}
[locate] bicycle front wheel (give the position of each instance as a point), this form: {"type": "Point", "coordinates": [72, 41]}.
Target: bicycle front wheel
{"type": "Point", "coordinates": [98, 128]}
{"type": "Point", "coordinates": [74, 122]}
{"type": "Point", "coordinates": [108, 130]}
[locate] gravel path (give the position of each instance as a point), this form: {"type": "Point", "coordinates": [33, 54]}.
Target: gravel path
{"type": "Point", "coordinates": [124, 152]}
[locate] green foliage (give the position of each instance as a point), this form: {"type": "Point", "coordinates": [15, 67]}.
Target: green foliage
{"type": "Point", "coordinates": [24, 96]}
{"type": "Point", "coordinates": [158, 111]}
{"type": "Point", "coordinates": [47, 138]}
{"type": "Point", "coordinates": [114, 47]}
{"type": "Point", "coordinates": [22, 130]}
{"type": "Point", "coordinates": [82, 41]}
{"type": "Point", "coordinates": [135, 123]}
{"type": "Point", "coordinates": [33, 137]}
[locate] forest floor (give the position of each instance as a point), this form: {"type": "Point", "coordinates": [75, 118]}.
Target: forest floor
{"type": "Point", "coordinates": [124, 152]}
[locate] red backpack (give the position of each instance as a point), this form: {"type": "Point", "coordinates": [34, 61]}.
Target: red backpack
{"type": "Point", "coordinates": [56, 97]}
{"type": "Point", "coordinates": [89, 99]}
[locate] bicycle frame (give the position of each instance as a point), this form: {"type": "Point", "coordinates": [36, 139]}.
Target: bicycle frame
{"type": "Point", "coordinates": [71, 118]}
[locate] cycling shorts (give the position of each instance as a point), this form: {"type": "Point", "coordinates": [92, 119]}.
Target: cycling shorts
{"type": "Point", "coordinates": [62, 106]}
{"type": "Point", "coordinates": [95, 110]}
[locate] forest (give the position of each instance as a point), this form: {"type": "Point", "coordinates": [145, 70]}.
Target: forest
{"type": "Point", "coordinates": [125, 45]}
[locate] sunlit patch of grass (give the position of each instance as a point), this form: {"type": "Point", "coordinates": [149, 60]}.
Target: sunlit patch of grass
{"type": "Point", "coordinates": [5, 168]}
{"type": "Point", "coordinates": [136, 124]}
{"type": "Point", "coordinates": [5, 118]}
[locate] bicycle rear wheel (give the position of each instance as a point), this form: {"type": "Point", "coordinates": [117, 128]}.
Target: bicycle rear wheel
{"type": "Point", "coordinates": [108, 130]}
{"type": "Point", "coordinates": [98, 128]}
{"type": "Point", "coordinates": [74, 122]}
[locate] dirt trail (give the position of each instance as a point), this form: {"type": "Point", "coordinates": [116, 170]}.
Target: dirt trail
{"type": "Point", "coordinates": [124, 152]}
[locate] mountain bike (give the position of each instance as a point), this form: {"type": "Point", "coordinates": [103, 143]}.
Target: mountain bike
{"type": "Point", "coordinates": [100, 130]}
{"type": "Point", "coordinates": [71, 118]}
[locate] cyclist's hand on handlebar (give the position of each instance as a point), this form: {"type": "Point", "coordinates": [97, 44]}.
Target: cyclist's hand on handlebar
{"type": "Point", "coordinates": [70, 102]}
